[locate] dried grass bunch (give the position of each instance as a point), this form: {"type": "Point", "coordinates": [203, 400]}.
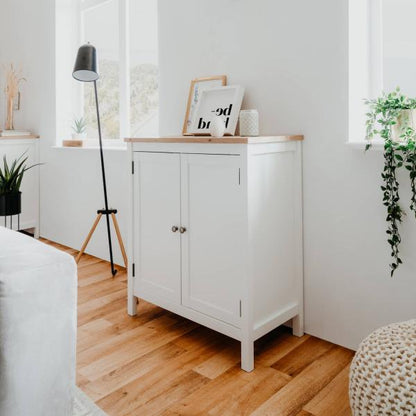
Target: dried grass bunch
{"type": "Point", "coordinates": [13, 80]}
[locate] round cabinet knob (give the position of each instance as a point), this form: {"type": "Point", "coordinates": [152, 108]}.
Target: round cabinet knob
{"type": "Point", "coordinates": [174, 229]}
{"type": "Point", "coordinates": [182, 230]}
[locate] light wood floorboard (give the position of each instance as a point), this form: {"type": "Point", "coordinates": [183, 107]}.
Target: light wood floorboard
{"type": "Point", "coordinates": [161, 364]}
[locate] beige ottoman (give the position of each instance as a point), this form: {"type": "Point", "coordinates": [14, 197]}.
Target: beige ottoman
{"type": "Point", "coordinates": [383, 372]}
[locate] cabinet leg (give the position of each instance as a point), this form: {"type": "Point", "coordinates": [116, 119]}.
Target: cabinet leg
{"type": "Point", "coordinates": [132, 303]}
{"type": "Point", "coordinates": [247, 355]}
{"type": "Point", "coordinates": [297, 325]}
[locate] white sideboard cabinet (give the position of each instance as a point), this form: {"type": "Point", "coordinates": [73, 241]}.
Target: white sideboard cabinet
{"type": "Point", "coordinates": [216, 232]}
{"type": "Point", "coordinates": [12, 148]}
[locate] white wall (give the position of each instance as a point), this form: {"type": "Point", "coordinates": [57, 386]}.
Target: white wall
{"type": "Point", "coordinates": [292, 59]}
{"type": "Point", "coordinates": [71, 187]}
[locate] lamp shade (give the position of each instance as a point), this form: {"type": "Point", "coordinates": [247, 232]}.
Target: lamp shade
{"type": "Point", "coordinates": [86, 67]}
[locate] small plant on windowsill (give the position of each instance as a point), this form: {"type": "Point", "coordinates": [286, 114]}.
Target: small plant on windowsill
{"type": "Point", "coordinates": [392, 117]}
{"type": "Point", "coordinates": [79, 128]}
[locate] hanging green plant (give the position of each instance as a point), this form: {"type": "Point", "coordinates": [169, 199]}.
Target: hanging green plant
{"type": "Point", "coordinates": [392, 117]}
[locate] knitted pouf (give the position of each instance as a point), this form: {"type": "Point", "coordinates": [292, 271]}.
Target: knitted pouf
{"type": "Point", "coordinates": [383, 372]}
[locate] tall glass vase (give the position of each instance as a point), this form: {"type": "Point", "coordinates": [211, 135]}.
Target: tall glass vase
{"type": "Point", "coordinates": [9, 113]}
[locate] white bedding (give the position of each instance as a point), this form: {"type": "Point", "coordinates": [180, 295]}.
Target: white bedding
{"type": "Point", "coordinates": [38, 287]}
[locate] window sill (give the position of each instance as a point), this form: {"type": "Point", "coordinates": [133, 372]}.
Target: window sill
{"type": "Point", "coordinates": [111, 148]}
{"type": "Point", "coordinates": [375, 145]}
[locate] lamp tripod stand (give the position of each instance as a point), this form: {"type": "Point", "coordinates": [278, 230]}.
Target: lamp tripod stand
{"type": "Point", "coordinates": [100, 213]}
{"type": "Point", "coordinates": [85, 70]}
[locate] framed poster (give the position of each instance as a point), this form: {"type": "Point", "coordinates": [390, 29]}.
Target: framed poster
{"type": "Point", "coordinates": [221, 101]}
{"type": "Point", "coordinates": [197, 86]}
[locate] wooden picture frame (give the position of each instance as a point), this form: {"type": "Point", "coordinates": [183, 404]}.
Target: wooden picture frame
{"type": "Point", "coordinates": [198, 85]}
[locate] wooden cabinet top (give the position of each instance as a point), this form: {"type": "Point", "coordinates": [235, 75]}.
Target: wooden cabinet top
{"type": "Point", "coordinates": [222, 140]}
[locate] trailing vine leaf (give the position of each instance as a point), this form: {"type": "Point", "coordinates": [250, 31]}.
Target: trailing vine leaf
{"type": "Point", "coordinates": [411, 167]}
{"type": "Point", "coordinates": [391, 200]}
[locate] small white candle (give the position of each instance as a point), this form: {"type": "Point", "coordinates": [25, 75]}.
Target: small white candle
{"type": "Point", "coordinates": [249, 123]}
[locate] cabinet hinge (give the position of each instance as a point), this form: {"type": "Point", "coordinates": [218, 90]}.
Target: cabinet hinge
{"type": "Point", "coordinates": [240, 310]}
{"type": "Point", "coordinates": [133, 270]}
{"type": "Point", "coordinates": [132, 167]}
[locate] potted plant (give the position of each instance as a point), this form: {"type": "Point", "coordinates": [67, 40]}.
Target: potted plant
{"type": "Point", "coordinates": [79, 129]}
{"type": "Point", "coordinates": [10, 180]}
{"type": "Point", "coordinates": [392, 118]}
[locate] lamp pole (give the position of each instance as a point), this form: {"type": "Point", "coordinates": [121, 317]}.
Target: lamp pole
{"type": "Point", "coordinates": [86, 70]}
{"type": "Point", "coordinates": [107, 212]}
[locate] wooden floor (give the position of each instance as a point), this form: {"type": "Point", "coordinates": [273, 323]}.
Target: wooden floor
{"type": "Point", "coordinates": [161, 364]}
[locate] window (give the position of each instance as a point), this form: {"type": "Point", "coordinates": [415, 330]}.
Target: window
{"type": "Point", "coordinates": [125, 35]}
{"type": "Point", "coordinates": [399, 45]}
{"type": "Point", "coordinates": [382, 54]}
{"type": "Point", "coordinates": [144, 86]}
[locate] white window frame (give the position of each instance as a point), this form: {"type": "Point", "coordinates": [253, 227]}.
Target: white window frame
{"type": "Point", "coordinates": [376, 47]}
{"type": "Point", "coordinates": [365, 62]}
{"type": "Point", "coordinates": [124, 59]}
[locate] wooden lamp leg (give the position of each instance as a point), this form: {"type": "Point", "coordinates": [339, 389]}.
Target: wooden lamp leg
{"type": "Point", "coordinates": [120, 240]}
{"type": "Point", "coordinates": [87, 240]}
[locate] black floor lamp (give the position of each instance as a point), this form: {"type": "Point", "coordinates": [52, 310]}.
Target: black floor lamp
{"type": "Point", "coordinates": [86, 70]}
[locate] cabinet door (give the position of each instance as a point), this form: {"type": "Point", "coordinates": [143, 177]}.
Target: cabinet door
{"type": "Point", "coordinates": [156, 210]}
{"type": "Point", "coordinates": [212, 212]}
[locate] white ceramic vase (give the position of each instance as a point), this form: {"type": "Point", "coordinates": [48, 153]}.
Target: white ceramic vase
{"type": "Point", "coordinates": [217, 126]}
{"type": "Point", "coordinates": [78, 136]}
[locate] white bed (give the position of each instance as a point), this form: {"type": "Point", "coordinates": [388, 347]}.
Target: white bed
{"type": "Point", "coordinates": [38, 287]}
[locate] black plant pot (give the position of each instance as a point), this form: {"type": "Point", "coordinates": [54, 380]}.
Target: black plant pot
{"type": "Point", "coordinates": [10, 204]}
